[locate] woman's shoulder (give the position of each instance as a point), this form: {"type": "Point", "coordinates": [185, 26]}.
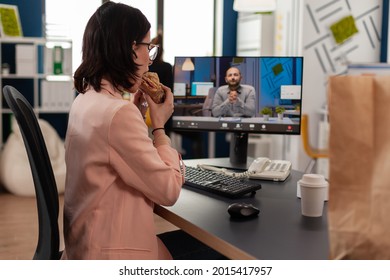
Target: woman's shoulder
{"type": "Point", "coordinates": [103, 103]}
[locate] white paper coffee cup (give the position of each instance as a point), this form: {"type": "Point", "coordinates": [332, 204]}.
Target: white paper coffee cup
{"type": "Point", "coordinates": [312, 189]}
{"type": "Point", "coordinates": [313, 179]}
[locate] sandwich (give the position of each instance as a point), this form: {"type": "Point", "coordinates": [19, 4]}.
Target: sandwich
{"type": "Point", "coordinates": [151, 85]}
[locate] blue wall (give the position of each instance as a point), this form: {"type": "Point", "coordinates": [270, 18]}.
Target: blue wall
{"type": "Point", "coordinates": [229, 32]}
{"type": "Point", "coordinates": [30, 13]}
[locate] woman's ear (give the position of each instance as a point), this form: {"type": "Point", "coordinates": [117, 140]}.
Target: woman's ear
{"type": "Point", "coordinates": [133, 46]}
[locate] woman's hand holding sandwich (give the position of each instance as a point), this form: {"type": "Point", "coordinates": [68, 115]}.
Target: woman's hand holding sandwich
{"type": "Point", "coordinates": [160, 113]}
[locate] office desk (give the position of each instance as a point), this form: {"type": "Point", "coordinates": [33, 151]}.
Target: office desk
{"type": "Point", "coordinates": [279, 232]}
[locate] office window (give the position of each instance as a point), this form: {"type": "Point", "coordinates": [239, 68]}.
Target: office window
{"type": "Point", "coordinates": [188, 25]}
{"type": "Point", "coordinates": [69, 21]}
{"type": "Point", "coordinates": [188, 28]}
{"type": "Point", "coordinates": [148, 8]}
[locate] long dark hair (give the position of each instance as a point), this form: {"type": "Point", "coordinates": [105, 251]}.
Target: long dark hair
{"type": "Point", "coordinates": [107, 47]}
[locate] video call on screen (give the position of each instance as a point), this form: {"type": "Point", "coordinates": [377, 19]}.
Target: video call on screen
{"type": "Point", "coordinates": [277, 82]}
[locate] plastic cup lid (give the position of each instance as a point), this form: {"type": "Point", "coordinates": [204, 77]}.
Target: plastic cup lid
{"type": "Point", "coordinates": [313, 179]}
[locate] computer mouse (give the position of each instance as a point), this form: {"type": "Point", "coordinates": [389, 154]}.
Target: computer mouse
{"type": "Point", "coordinates": [242, 210]}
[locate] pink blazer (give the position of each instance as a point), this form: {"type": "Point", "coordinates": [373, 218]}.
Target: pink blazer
{"type": "Point", "coordinates": [114, 177]}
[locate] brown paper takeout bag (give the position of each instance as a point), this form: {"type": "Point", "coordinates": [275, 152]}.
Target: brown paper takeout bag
{"type": "Point", "coordinates": [359, 167]}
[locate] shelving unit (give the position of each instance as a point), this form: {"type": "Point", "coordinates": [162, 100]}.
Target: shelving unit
{"type": "Point", "coordinates": [31, 67]}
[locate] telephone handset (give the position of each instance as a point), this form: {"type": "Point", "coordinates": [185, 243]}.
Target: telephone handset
{"type": "Point", "coordinates": [261, 168]}
{"type": "Point", "coordinates": [259, 164]}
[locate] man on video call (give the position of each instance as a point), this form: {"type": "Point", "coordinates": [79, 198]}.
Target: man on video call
{"type": "Point", "coordinates": [234, 99]}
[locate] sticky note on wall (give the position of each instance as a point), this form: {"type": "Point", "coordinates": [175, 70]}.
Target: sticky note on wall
{"type": "Point", "coordinates": [344, 29]}
{"type": "Point", "coordinates": [10, 21]}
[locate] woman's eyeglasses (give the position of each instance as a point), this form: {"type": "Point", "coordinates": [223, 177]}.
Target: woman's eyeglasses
{"type": "Point", "coordinates": [153, 49]}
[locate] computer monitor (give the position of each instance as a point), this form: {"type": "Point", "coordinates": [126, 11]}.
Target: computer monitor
{"type": "Point", "coordinates": [201, 88]}
{"type": "Point", "coordinates": [276, 81]}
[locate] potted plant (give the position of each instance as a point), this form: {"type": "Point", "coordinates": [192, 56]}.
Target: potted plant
{"type": "Point", "coordinates": [266, 112]}
{"type": "Point", "coordinates": [280, 110]}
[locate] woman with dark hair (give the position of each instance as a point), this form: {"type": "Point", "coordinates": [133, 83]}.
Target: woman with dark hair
{"type": "Point", "coordinates": [164, 71]}
{"type": "Point", "coordinates": [115, 172]}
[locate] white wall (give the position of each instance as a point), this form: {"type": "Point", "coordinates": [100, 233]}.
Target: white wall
{"type": "Point", "coordinates": [303, 28]}
{"type": "Point", "coordinates": [188, 28]}
{"type": "Point", "coordinates": [58, 20]}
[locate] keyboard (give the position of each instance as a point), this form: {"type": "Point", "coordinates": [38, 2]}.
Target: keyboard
{"type": "Point", "coordinates": [220, 184]}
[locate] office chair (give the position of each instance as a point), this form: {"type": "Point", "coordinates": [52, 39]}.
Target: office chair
{"type": "Point", "coordinates": [42, 173]}
{"type": "Point", "coordinates": [207, 104]}
{"type": "Point", "coordinates": [312, 152]}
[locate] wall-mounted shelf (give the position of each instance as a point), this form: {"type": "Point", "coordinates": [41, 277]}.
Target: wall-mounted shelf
{"type": "Point", "coordinates": [29, 64]}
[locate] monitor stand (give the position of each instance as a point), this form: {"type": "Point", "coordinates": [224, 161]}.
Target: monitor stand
{"type": "Point", "coordinates": [238, 154]}
{"type": "Point", "coordinates": [238, 149]}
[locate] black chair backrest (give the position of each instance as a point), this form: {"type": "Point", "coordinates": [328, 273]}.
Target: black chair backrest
{"type": "Point", "coordinates": [42, 172]}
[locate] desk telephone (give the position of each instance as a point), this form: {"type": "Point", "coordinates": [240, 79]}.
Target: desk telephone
{"type": "Point", "coordinates": [261, 168]}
